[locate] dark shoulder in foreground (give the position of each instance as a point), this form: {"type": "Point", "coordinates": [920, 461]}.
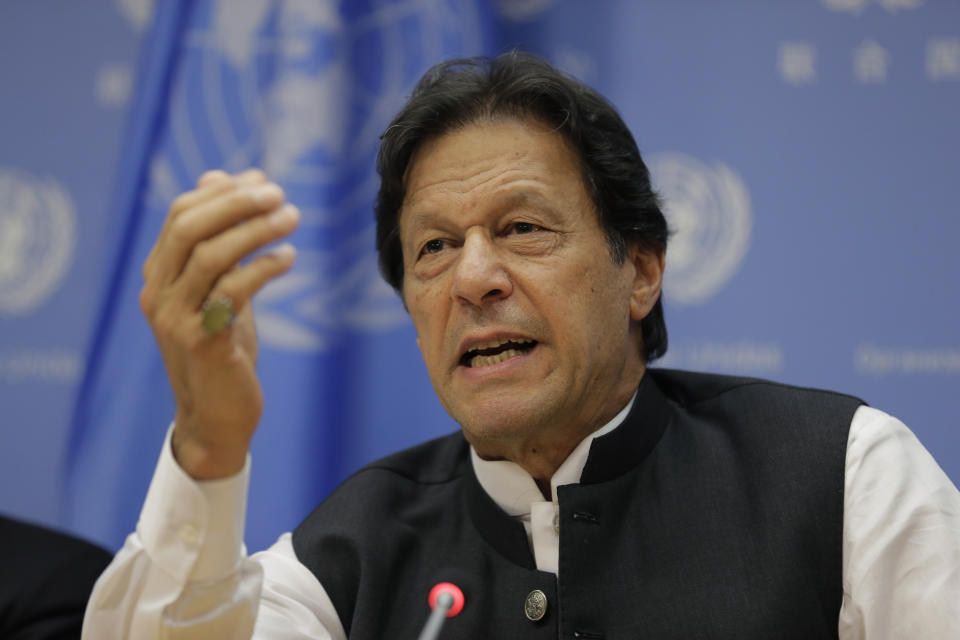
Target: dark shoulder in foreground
{"type": "Point", "coordinates": [407, 486]}
{"type": "Point", "coordinates": [45, 580]}
{"type": "Point", "coordinates": [433, 462]}
{"type": "Point", "coordinates": [689, 388]}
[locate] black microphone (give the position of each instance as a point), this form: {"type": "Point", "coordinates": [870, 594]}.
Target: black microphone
{"type": "Point", "coordinates": [446, 600]}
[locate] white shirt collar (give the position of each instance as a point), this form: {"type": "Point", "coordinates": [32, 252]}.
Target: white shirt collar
{"type": "Point", "coordinates": [514, 490]}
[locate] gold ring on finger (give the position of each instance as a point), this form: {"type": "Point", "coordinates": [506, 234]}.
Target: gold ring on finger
{"type": "Point", "coordinates": [218, 313]}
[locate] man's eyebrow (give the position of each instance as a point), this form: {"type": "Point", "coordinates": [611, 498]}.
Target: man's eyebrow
{"type": "Point", "coordinates": [533, 198]}
{"type": "Point", "coordinates": [518, 197]}
{"type": "Point", "coordinates": [424, 215]}
{"type": "Point", "coordinates": [420, 219]}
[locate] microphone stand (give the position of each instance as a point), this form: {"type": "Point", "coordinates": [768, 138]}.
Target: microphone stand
{"type": "Point", "coordinates": [431, 630]}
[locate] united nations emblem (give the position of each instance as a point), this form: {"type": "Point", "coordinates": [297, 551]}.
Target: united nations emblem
{"type": "Point", "coordinates": [708, 211]}
{"type": "Point", "coordinates": [37, 240]}
{"type": "Point", "coordinates": [303, 89]}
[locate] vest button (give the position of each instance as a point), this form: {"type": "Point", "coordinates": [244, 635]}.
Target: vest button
{"type": "Point", "coordinates": [535, 606]}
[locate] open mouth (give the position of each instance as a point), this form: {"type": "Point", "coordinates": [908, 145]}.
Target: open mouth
{"type": "Point", "coordinates": [484, 355]}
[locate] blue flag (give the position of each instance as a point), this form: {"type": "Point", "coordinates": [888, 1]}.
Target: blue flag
{"type": "Point", "coordinates": [302, 90]}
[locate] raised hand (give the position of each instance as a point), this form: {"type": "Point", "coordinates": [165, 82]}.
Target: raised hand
{"type": "Point", "coordinates": [206, 235]}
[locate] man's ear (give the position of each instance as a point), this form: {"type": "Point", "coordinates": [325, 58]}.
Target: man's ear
{"type": "Point", "coordinates": [648, 278]}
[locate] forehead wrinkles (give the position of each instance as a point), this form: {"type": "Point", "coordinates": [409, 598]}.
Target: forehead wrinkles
{"type": "Point", "coordinates": [432, 176]}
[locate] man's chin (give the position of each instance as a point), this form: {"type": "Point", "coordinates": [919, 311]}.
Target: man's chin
{"type": "Point", "coordinates": [501, 429]}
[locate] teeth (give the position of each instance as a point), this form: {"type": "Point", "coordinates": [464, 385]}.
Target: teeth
{"type": "Point", "coordinates": [486, 361]}
{"type": "Point", "coordinates": [480, 354]}
{"type": "Point", "coordinates": [492, 344]}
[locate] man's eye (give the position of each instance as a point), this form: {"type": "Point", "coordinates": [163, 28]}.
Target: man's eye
{"type": "Point", "coordinates": [524, 227]}
{"type": "Point", "coordinates": [433, 246]}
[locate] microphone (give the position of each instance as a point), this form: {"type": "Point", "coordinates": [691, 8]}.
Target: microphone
{"type": "Point", "coordinates": [446, 600]}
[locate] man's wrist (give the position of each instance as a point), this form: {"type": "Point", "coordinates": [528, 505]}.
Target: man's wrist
{"type": "Point", "coordinates": [202, 461]}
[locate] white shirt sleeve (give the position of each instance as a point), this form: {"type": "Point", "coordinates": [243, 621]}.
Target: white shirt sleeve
{"type": "Point", "coordinates": [901, 537]}
{"type": "Point", "coordinates": [184, 573]}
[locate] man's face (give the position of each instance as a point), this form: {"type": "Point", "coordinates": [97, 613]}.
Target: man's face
{"type": "Point", "coordinates": [522, 316]}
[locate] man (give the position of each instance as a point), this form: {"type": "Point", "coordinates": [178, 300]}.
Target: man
{"type": "Point", "coordinates": [587, 496]}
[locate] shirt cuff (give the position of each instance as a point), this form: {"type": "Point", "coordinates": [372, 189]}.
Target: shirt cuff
{"type": "Point", "coordinates": [193, 530]}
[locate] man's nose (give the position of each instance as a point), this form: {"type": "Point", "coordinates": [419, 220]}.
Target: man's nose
{"type": "Point", "coordinates": [480, 276]}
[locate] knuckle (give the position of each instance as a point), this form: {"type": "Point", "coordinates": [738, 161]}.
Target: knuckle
{"type": "Point", "coordinates": [147, 301]}
{"type": "Point", "coordinates": [205, 257]}
{"type": "Point", "coordinates": [241, 199]}
{"type": "Point", "coordinates": [254, 176]}
{"type": "Point", "coordinates": [232, 285]}
{"type": "Point", "coordinates": [181, 231]}
{"type": "Point", "coordinates": [211, 176]}
{"type": "Point", "coordinates": [165, 323]}
{"type": "Point", "coordinates": [181, 202]}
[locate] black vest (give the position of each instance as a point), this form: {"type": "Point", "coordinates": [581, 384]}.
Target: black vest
{"type": "Point", "coordinates": [714, 511]}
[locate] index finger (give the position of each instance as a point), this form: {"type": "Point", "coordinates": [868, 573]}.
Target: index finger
{"type": "Point", "coordinates": [209, 185]}
{"type": "Point", "coordinates": [209, 177]}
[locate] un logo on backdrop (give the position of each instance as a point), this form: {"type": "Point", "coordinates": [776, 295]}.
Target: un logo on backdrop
{"type": "Point", "coordinates": [303, 88]}
{"type": "Point", "coordinates": [708, 210]}
{"type": "Point", "coordinates": [37, 240]}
